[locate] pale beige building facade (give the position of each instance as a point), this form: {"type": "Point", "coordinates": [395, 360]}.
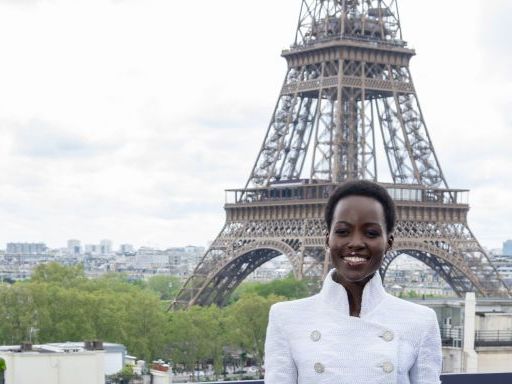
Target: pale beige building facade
{"type": "Point", "coordinates": [85, 367]}
{"type": "Point", "coordinates": [476, 334]}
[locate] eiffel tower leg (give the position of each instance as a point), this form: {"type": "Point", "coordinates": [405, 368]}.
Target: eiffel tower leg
{"type": "Point", "coordinates": [242, 247]}
{"type": "Point", "coordinates": [451, 250]}
{"type": "Point", "coordinates": [455, 278]}
{"type": "Point", "coordinates": [239, 249]}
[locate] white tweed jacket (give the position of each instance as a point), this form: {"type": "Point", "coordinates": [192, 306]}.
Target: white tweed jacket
{"type": "Point", "coordinates": [315, 340]}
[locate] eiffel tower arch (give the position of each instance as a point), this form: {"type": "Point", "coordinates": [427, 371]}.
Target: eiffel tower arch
{"type": "Point", "coordinates": [347, 88]}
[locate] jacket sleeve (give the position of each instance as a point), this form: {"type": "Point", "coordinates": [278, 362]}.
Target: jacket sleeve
{"type": "Point", "coordinates": [427, 367]}
{"type": "Point", "coordinates": [279, 365]}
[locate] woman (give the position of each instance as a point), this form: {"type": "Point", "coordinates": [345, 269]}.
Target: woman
{"type": "Point", "coordinates": [353, 331]}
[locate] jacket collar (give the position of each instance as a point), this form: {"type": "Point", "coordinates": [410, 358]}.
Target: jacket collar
{"type": "Point", "coordinates": [335, 296]}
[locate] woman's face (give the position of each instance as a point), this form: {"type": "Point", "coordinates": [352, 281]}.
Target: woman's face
{"type": "Point", "coordinates": [358, 238]}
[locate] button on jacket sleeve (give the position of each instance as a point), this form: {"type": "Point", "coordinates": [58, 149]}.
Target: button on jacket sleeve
{"type": "Point", "coordinates": [279, 365]}
{"type": "Point", "coordinates": [426, 367]}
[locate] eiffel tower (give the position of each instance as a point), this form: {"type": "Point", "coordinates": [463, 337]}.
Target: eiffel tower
{"type": "Point", "coordinates": [347, 88]}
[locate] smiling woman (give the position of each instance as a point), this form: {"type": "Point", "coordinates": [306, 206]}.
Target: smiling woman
{"type": "Point", "coordinates": [353, 331]}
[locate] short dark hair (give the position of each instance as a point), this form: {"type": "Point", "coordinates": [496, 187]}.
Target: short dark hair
{"type": "Point", "coordinates": [362, 188]}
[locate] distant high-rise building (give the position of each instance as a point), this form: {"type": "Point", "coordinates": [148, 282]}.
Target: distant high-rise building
{"type": "Point", "coordinates": [27, 252]}
{"type": "Point", "coordinates": [507, 248]}
{"type": "Point", "coordinates": [105, 247]}
{"type": "Point", "coordinates": [126, 248]}
{"type": "Point", "coordinates": [147, 257]}
{"type": "Point", "coordinates": [92, 248]}
{"type": "Point", "coordinates": [74, 247]}
{"type": "Point", "coordinates": [26, 248]}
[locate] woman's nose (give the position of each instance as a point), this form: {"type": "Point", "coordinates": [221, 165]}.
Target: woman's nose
{"type": "Point", "coordinates": [356, 241]}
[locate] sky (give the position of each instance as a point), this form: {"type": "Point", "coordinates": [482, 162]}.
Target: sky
{"type": "Point", "coordinates": [127, 119]}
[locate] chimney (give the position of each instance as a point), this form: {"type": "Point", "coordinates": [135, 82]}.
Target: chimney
{"type": "Point", "coordinates": [97, 345]}
{"type": "Point", "coordinates": [89, 345]}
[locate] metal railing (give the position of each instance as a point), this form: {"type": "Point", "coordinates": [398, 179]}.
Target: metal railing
{"type": "Point", "coordinates": [498, 338]}
{"type": "Point", "coordinates": [304, 190]}
{"type": "Point", "coordinates": [452, 337]}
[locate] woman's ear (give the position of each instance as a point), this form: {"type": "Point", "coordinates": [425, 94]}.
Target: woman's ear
{"type": "Point", "coordinates": [327, 239]}
{"type": "Point", "coordinates": [391, 239]}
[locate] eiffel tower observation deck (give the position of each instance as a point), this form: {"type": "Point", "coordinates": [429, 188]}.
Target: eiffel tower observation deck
{"type": "Point", "coordinates": [347, 90]}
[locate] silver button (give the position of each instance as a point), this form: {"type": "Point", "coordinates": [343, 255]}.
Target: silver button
{"type": "Point", "coordinates": [319, 368]}
{"type": "Point", "coordinates": [388, 367]}
{"type": "Point", "coordinates": [388, 336]}
{"type": "Point", "coordinates": [315, 335]}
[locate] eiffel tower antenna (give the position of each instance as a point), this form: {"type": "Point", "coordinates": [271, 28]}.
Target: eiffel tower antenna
{"type": "Point", "coordinates": [347, 83]}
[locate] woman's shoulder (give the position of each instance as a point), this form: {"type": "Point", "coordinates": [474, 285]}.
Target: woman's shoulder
{"type": "Point", "coordinates": [289, 307]}
{"type": "Point", "coordinates": [409, 311]}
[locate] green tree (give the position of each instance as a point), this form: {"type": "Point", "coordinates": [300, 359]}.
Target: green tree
{"type": "Point", "coordinates": [166, 286]}
{"type": "Point", "coordinates": [289, 288]}
{"type": "Point", "coordinates": [214, 331]}
{"type": "Point", "coordinates": [70, 311]}
{"type": "Point", "coordinates": [123, 376]}
{"type": "Point", "coordinates": [247, 321]}
{"type": "Point", "coordinates": [18, 313]}
{"type": "Point", "coordinates": [196, 336]}
{"type": "Point", "coordinates": [58, 274]}
{"type": "Point", "coordinates": [62, 304]}
{"type": "Point", "coordinates": [184, 335]}
{"type": "Point", "coordinates": [144, 323]}
{"type": "Point", "coordinates": [3, 367]}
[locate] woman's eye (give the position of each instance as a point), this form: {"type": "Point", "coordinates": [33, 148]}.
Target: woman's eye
{"type": "Point", "coordinates": [373, 233]}
{"type": "Point", "coordinates": [341, 231]}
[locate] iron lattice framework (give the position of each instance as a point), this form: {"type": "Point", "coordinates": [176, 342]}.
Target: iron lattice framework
{"type": "Point", "coordinates": [347, 86]}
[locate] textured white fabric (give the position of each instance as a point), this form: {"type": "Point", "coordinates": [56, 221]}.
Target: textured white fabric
{"type": "Point", "coordinates": [315, 340]}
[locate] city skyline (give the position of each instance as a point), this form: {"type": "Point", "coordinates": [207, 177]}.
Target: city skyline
{"type": "Point", "coordinates": [116, 246]}
{"type": "Point", "coordinates": [108, 245]}
{"type": "Point", "coordinates": [125, 120]}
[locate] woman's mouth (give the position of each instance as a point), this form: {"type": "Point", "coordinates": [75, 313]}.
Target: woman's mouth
{"type": "Point", "coordinates": [354, 260]}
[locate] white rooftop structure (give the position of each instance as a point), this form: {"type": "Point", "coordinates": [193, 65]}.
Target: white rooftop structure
{"type": "Point", "coordinates": [67, 362]}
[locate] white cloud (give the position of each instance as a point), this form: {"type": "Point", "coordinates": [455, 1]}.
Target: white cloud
{"type": "Point", "coordinates": [128, 119]}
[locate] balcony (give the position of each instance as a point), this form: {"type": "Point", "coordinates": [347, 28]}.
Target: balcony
{"type": "Point", "coordinates": [497, 338]}
{"type": "Point", "coordinates": [306, 190]}
{"type": "Point", "coordinates": [452, 337]}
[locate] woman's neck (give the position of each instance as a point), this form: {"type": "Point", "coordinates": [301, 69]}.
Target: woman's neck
{"type": "Point", "coordinates": [354, 293]}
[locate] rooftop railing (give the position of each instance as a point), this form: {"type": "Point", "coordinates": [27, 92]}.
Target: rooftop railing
{"type": "Point", "coordinates": [304, 190]}
{"type": "Point", "coordinates": [452, 337]}
{"type": "Point", "coordinates": [498, 338]}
